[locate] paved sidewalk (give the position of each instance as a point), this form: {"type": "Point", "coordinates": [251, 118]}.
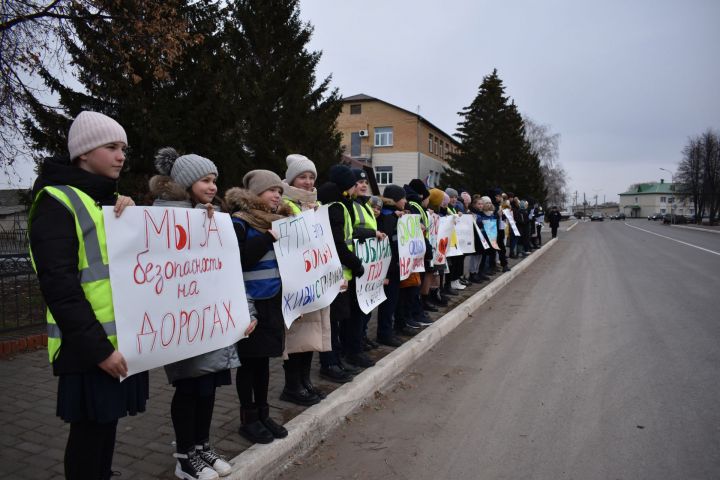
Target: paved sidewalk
{"type": "Point", "coordinates": [33, 438]}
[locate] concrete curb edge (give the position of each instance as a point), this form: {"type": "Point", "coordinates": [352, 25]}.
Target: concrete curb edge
{"type": "Point", "coordinates": [310, 427]}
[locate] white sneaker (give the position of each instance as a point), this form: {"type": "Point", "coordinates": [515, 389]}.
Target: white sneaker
{"type": "Point", "coordinates": [191, 467]}
{"type": "Point", "coordinates": [457, 285]}
{"type": "Point", "coordinates": [212, 458]}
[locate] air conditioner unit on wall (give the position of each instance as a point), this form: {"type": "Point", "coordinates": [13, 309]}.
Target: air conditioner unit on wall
{"type": "Point", "coordinates": [363, 133]}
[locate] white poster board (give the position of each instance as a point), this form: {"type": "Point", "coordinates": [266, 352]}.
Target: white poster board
{"type": "Point", "coordinates": [176, 284]}
{"type": "Point", "coordinates": [484, 242]}
{"type": "Point", "coordinates": [309, 266]}
{"type": "Point", "coordinates": [511, 220]}
{"type": "Point", "coordinates": [375, 256]}
{"type": "Point", "coordinates": [465, 234]}
{"type": "Point", "coordinates": [454, 246]}
{"type": "Point", "coordinates": [411, 245]}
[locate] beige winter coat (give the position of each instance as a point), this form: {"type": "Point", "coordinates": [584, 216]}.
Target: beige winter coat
{"type": "Point", "coordinates": [311, 332]}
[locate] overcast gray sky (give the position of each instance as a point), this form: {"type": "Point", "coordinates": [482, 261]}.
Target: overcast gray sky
{"type": "Point", "coordinates": [624, 82]}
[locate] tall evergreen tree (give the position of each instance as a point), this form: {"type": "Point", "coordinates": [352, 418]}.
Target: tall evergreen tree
{"type": "Point", "coordinates": [279, 108]}
{"type": "Point", "coordinates": [158, 102]}
{"type": "Point", "coordinates": [494, 151]}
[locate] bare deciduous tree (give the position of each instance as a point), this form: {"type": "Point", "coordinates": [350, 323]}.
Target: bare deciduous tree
{"type": "Point", "coordinates": [699, 173]}
{"type": "Point", "coordinates": [546, 145]}
{"type": "Point", "coordinates": [33, 36]}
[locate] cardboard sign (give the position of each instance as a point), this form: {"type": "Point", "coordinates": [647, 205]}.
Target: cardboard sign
{"type": "Point", "coordinates": [375, 256]}
{"type": "Point", "coordinates": [490, 227]}
{"type": "Point", "coordinates": [511, 220]}
{"type": "Point", "coordinates": [454, 248]}
{"type": "Point", "coordinates": [176, 284]}
{"type": "Point", "coordinates": [411, 245]}
{"type": "Point", "coordinates": [484, 242]}
{"type": "Point", "coordinates": [441, 229]}
{"type": "Point", "coordinates": [464, 231]}
{"type": "Point", "coordinates": [309, 266]}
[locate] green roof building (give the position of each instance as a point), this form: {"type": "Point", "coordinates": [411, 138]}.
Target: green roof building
{"type": "Point", "coordinates": [645, 199]}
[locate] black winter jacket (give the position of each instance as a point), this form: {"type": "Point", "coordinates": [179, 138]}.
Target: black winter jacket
{"type": "Point", "coordinates": [329, 193]}
{"type": "Point", "coordinates": [54, 246]}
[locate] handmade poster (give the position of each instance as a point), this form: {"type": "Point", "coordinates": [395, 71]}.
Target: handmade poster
{"type": "Point", "coordinates": [309, 266]}
{"type": "Point", "coordinates": [411, 245]}
{"type": "Point", "coordinates": [433, 227]}
{"type": "Point", "coordinates": [479, 232]}
{"type": "Point", "coordinates": [509, 216]}
{"type": "Point", "coordinates": [375, 256]}
{"type": "Point", "coordinates": [446, 226]}
{"type": "Point", "coordinates": [464, 231]}
{"type": "Point", "coordinates": [453, 247]}
{"type": "Point", "coordinates": [176, 284]}
{"type": "Point", "coordinates": [490, 227]}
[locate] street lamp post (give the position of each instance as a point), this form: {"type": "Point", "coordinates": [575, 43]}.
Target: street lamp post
{"type": "Point", "coordinates": [672, 205]}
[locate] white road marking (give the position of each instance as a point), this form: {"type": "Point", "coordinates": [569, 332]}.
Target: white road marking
{"type": "Point", "coordinates": [571, 226]}
{"type": "Point", "coordinates": [673, 239]}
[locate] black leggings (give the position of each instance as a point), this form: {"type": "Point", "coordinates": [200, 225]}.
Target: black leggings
{"type": "Point", "coordinates": [191, 417]}
{"type": "Point", "coordinates": [252, 381]}
{"type": "Point", "coordinates": [89, 450]}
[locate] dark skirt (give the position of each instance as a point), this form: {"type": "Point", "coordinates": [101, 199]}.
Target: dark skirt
{"type": "Point", "coordinates": [97, 397]}
{"type": "Point", "coordinates": [268, 338]}
{"type": "Point", "coordinates": [204, 385]}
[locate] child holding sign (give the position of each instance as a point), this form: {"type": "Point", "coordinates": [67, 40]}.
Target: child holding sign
{"type": "Point", "coordinates": [69, 251]}
{"type": "Point", "coordinates": [311, 332]}
{"type": "Point", "coordinates": [254, 208]}
{"type": "Point", "coordinates": [188, 181]}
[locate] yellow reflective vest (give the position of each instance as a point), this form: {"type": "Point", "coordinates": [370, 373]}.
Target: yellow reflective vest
{"type": "Point", "coordinates": [93, 270]}
{"type": "Point", "coordinates": [347, 234]}
{"type": "Point", "coordinates": [364, 216]}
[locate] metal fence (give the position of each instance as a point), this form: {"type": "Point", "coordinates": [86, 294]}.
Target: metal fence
{"type": "Point", "coordinates": [21, 304]}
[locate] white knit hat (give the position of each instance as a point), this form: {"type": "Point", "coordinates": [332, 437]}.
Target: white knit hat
{"type": "Point", "coordinates": [91, 130]}
{"type": "Point", "coordinates": [298, 164]}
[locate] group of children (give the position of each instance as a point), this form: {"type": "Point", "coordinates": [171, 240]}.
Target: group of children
{"type": "Point", "coordinates": [69, 253]}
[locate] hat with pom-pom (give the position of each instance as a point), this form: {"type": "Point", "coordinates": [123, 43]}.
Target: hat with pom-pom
{"type": "Point", "coordinates": [183, 169]}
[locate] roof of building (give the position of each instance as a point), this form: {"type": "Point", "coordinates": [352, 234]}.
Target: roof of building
{"type": "Point", "coordinates": [650, 188]}
{"type": "Point", "coordinates": [361, 97]}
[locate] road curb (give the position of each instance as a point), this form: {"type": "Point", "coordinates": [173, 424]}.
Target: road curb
{"type": "Point", "coordinates": [697, 229]}
{"type": "Point", "coordinates": [309, 428]}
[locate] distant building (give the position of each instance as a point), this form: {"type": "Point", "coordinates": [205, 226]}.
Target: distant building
{"type": "Point", "coordinates": [400, 145]}
{"type": "Point", "coordinates": [645, 199]}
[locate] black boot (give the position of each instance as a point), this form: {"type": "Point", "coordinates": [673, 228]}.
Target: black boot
{"type": "Point", "coordinates": [438, 297]}
{"type": "Point", "coordinates": [427, 304]}
{"type": "Point", "coordinates": [277, 431]}
{"type": "Point", "coordinates": [305, 376]}
{"type": "Point", "coordinates": [252, 428]}
{"type": "Point", "coordinates": [294, 391]}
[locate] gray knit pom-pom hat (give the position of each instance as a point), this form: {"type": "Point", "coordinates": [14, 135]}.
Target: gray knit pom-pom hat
{"type": "Point", "coordinates": [184, 170]}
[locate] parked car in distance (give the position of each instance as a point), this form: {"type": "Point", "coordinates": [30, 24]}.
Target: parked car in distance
{"type": "Point", "coordinates": [675, 219]}
{"type": "Point", "coordinates": [596, 217]}
{"type": "Point", "coordinates": [656, 216]}
{"type": "Point", "coordinates": [620, 216]}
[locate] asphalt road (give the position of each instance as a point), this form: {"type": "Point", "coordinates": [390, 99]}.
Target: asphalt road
{"type": "Point", "coordinates": [601, 361]}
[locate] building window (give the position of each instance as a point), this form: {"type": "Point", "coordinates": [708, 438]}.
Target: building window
{"type": "Point", "coordinates": [663, 199]}
{"type": "Point", "coordinates": [435, 146]}
{"type": "Point", "coordinates": [442, 149]}
{"type": "Point", "coordinates": [430, 142]}
{"type": "Point", "coordinates": [384, 175]}
{"type": "Point", "coordinates": [383, 136]}
{"type": "Point", "coordinates": [356, 109]}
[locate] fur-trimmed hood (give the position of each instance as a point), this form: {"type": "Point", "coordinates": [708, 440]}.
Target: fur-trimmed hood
{"type": "Point", "coordinates": [163, 187]}
{"type": "Point", "coordinates": [389, 203]}
{"type": "Point", "coordinates": [244, 204]}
